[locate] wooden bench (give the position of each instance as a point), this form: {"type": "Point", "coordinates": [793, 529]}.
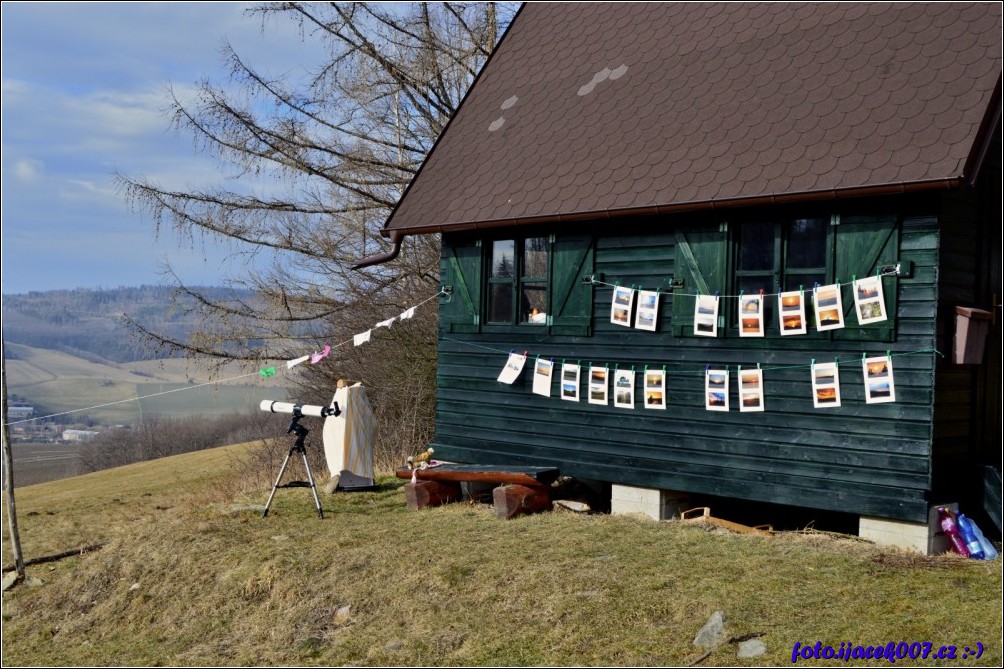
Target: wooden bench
{"type": "Point", "coordinates": [520, 489]}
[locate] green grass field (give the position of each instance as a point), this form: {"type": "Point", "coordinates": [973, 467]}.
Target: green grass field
{"type": "Point", "coordinates": [63, 382]}
{"type": "Point", "coordinates": [190, 575]}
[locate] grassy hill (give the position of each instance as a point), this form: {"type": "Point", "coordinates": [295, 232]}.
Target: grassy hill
{"type": "Point", "coordinates": [190, 574]}
{"type": "Point", "coordinates": [90, 323]}
{"type": "Point", "coordinates": [65, 382]}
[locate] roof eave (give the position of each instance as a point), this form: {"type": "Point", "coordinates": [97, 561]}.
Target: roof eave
{"type": "Point", "coordinates": [681, 207]}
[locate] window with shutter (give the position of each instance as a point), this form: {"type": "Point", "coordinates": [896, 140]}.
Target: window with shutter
{"type": "Point", "coordinates": [782, 255]}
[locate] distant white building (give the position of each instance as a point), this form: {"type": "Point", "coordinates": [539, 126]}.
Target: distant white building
{"type": "Point", "coordinates": [79, 435]}
{"type": "Point", "coordinates": [19, 412]}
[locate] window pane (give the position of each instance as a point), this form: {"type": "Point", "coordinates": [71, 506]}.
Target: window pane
{"type": "Point", "coordinates": [807, 243]}
{"type": "Point", "coordinates": [534, 304]}
{"type": "Point", "coordinates": [500, 307]}
{"type": "Point", "coordinates": [503, 257]}
{"type": "Point", "coordinates": [806, 280]}
{"type": "Point", "coordinates": [535, 257]}
{"type": "Point", "coordinates": [756, 246]}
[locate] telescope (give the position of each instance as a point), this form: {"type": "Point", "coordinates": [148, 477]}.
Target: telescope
{"type": "Point", "coordinates": [299, 410]}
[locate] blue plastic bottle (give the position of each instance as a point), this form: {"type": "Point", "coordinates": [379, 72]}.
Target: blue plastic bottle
{"type": "Point", "coordinates": [989, 552]}
{"type": "Point", "coordinates": [973, 544]}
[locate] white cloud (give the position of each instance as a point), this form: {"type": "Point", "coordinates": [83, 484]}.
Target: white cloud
{"type": "Point", "coordinates": [28, 170]}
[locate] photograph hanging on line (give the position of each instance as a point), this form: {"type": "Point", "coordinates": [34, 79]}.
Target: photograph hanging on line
{"type": "Point", "coordinates": [570, 382]}
{"type": "Point", "coordinates": [716, 389]}
{"type": "Point", "coordinates": [706, 316]}
{"type": "Point", "coordinates": [620, 306]}
{"type": "Point", "coordinates": [829, 307]}
{"type": "Point", "coordinates": [869, 300]}
{"type": "Point", "coordinates": [542, 377]}
{"type": "Point", "coordinates": [513, 368]}
{"type": "Point", "coordinates": [624, 388]}
{"type": "Point", "coordinates": [598, 385]}
{"type": "Point", "coordinates": [751, 390]}
{"type": "Point", "coordinates": [647, 314]}
{"type": "Point", "coordinates": [879, 384]}
{"type": "Point", "coordinates": [655, 389]}
{"type": "Point", "coordinates": [791, 312]}
{"type": "Point", "coordinates": [825, 385]}
{"type": "Point", "coordinates": [751, 316]}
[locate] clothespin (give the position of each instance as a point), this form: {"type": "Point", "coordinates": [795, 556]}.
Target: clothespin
{"type": "Point", "coordinates": [716, 294]}
{"type": "Point", "coordinates": [888, 354]}
{"type": "Point", "coordinates": [813, 363]}
{"type": "Point", "coordinates": [646, 369]}
{"type": "Point", "coordinates": [526, 353]}
{"type": "Point", "coordinates": [836, 360]}
{"type": "Point", "coordinates": [815, 287]}
{"type": "Point", "coordinates": [267, 371]}
{"type": "Point", "coordinates": [854, 277]}
{"type": "Point", "coordinates": [758, 365]}
{"type": "Point", "coordinates": [632, 368]}
{"type": "Point", "coordinates": [761, 293]}
{"type": "Point", "coordinates": [801, 288]}
{"type": "Point", "coordinates": [664, 369]}
{"type": "Point", "coordinates": [862, 356]}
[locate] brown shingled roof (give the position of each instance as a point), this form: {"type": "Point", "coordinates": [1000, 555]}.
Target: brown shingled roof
{"type": "Point", "coordinates": [585, 110]}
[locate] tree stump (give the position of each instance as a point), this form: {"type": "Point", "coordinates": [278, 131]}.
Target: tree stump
{"type": "Point", "coordinates": [421, 494]}
{"type": "Point", "coordinates": [513, 499]}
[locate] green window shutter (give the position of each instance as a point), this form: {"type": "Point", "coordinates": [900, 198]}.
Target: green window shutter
{"type": "Point", "coordinates": [865, 244]}
{"type": "Point", "coordinates": [571, 300]}
{"type": "Point", "coordinates": [701, 260]}
{"type": "Point", "coordinates": [460, 267]}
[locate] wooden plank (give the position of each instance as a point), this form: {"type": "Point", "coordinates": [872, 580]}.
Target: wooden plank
{"type": "Point", "coordinates": [528, 476]}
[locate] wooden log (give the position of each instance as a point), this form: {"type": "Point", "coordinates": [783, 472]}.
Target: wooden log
{"type": "Point", "coordinates": [514, 499]}
{"type": "Point", "coordinates": [421, 494]}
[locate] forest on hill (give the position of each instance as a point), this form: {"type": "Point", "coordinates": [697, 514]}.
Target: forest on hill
{"type": "Point", "coordinates": [91, 323]}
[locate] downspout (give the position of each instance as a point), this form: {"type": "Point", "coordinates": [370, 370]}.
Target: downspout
{"type": "Point", "coordinates": [381, 258]}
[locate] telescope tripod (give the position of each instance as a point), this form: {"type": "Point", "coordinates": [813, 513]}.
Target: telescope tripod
{"type": "Point", "coordinates": [298, 447]}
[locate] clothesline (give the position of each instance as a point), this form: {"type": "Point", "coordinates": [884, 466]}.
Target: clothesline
{"type": "Point", "coordinates": [698, 372]}
{"type": "Point", "coordinates": [596, 282]}
{"type": "Point", "coordinates": [265, 372]}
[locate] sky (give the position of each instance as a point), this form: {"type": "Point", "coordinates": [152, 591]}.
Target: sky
{"type": "Point", "coordinates": [83, 99]}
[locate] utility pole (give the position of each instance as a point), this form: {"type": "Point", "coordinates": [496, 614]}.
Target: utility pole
{"type": "Point", "coordinates": [8, 468]}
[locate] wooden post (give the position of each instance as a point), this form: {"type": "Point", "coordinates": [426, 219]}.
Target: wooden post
{"type": "Point", "coordinates": [513, 499]}
{"type": "Point", "coordinates": [8, 469]}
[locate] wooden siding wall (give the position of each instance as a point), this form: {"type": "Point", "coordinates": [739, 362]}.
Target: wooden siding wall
{"type": "Point", "coordinates": [859, 458]}
{"type": "Point", "coordinates": [967, 405]}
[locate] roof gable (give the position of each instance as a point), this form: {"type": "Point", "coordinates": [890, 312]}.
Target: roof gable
{"type": "Point", "coordinates": [589, 109]}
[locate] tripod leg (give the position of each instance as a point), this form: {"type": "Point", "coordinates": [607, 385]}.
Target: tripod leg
{"type": "Point", "coordinates": [313, 488]}
{"type": "Point", "coordinates": [282, 470]}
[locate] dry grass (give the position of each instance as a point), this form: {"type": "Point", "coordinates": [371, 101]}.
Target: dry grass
{"type": "Point", "coordinates": [188, 578]}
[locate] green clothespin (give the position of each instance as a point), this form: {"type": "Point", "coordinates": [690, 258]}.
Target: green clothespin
{"type": "Point", "coordinates": [267, 371]}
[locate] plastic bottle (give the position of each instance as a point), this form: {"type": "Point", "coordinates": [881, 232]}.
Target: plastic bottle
{"type": "Point", "coordinates": [951, 530]}
{"type": "Point", "coordinates": [989, 552]}
{"type": "Point", "coordinates": [972, 543]}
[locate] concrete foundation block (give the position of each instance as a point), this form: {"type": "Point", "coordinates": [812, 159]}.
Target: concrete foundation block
{"type": "Point", "coordinates": [926, 538]}
{"type": "Point", "coordinates": [656, 504]}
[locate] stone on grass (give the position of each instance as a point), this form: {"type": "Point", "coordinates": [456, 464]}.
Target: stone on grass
{"type": "Point", "coordinates": [713, 632]}
{"type": "Point", "coordinates": [751, 648]}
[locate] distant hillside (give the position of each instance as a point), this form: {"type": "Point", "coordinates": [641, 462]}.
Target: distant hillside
{"type": "Point", "coordinates": [89, 323]}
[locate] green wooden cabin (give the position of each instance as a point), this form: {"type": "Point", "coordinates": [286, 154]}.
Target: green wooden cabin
{"type": "Point", "coordinates": [702, 149]}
